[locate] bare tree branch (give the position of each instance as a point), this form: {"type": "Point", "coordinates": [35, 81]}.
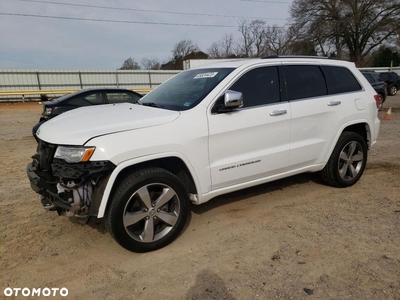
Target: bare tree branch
{"type": "Point", "coordinates": [356, 26]}
{"type": "Point", "coordinates": [151, 63]}
{"type": "Point", "coordinates": [184, 48]}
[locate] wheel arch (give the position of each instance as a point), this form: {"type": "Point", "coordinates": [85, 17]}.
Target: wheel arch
{"type": "Point", "coordinates": [172, 163]}
{"type": "Point", "coordinates": [362, 129]}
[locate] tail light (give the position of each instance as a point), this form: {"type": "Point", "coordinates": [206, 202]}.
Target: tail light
{"type": "Point", "coordinates": [377, 100]}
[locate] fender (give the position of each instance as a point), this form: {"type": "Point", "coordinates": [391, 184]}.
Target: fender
{"type": "Point", "coordinates": [362, 122]}
{"type": "Point", "coordinates": [137, 160]}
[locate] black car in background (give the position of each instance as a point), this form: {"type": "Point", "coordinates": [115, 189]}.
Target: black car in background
{"type": "Point", "coordinates": [392, 80]}
{"type": "Point", "coordinates": [86, 97]}
{"type": "Point", "coordinates": [378, 84]}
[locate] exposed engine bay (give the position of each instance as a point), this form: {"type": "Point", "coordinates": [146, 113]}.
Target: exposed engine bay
{"type": "Point", "coordinates": [73, 189]}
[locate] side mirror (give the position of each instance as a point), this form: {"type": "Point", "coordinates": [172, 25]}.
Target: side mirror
{"type": "Point", "coordinates": [228, 102]}
{"type": "Point", "coordinates": [233, 99]}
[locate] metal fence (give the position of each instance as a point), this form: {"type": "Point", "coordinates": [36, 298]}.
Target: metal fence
{"type": "Point", "coordinates": [20, 84]}
{"type": "Point", "coordinates": [37, 81]}
{"type": "Point", "coordinates": [382, 69]}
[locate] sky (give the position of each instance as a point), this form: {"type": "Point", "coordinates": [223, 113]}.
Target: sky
{"type": "Point", "coordinates": [50, 34]}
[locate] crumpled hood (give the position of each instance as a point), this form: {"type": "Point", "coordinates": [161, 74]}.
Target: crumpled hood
{"type": "Point", "coordinates": [77, 126]}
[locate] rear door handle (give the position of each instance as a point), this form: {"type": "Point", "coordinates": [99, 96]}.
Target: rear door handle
{"type": "Point", "coordinates": [334, 103]}
{"type": "Point", "coordinates": [278, 113]}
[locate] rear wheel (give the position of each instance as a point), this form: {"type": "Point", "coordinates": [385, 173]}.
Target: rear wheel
{"type": "Point", "coordinates": [393, 90]}
{"type": "Point", "coordinates": [347, 161]}
{"type": "Point", "coordinates": [148, 211]}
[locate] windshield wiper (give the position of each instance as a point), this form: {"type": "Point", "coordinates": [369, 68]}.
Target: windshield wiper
{"type": "Point", "coordinates": [152, 104]}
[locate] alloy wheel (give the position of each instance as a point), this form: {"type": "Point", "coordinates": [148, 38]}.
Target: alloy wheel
{"type": "Point", "coordinates": [151, 212]}
{"type": "Point", "coordinates": [351, 160]}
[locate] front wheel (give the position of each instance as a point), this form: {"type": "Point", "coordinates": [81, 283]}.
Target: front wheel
{"type": "Point", "coordinates": [347, 161]}
{"type": "Point", "coordinates": [148, 211]}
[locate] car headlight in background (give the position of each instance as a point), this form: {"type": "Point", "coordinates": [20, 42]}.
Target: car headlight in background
{"type": "Point", "coordinates": [74, 154]}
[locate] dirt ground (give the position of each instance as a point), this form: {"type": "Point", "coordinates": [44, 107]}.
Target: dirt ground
{"type": "Point", "coordinates": [291, 239]}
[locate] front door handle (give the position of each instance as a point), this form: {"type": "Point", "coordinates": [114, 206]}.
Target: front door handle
{"type": "Point", "coordinates": [334, 103]}
{"type": "Point", "coordinates": [278, 113]}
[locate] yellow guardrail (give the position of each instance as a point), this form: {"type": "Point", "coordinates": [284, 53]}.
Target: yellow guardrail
{"type": "Point", "coordinates": [45, 92]}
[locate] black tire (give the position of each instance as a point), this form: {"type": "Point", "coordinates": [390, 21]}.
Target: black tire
{"type": "Point", "coordinates": [347, 161]}
{"type": "Point", "coordinates": [148, 210]}
{"type": "Point", "coordinates": [393, 90]}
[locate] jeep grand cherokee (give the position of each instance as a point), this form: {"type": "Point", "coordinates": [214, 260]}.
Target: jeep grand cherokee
{"type": "Point", "coordinates": [205, 132]}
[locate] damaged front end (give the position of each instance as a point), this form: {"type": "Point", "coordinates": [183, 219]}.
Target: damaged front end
{"type": "Point", "coordinates": [72, 186]}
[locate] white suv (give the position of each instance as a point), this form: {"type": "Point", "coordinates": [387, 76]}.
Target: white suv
{"type": "Point", "coordinates": [205, 132]}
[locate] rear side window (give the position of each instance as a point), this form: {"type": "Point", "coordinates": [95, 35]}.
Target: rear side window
{"type": "Point", "coordinates": [87, 99]}
{"type": "Point", "coordinates": [376, 77]}
{"type": "Point", "coordinates": [389, 76]}
{"type": "Point", "coordinates": [119, 97]}
{"type": "Point", "coordinates": [385, 76]}
{"type": "Point", "coordinates": [340, 80]}
{"type": "Point", "coordinates": [79, 102]}
{"type": "Point", "coordinates": [369, 77]}
{"type": "Point", "coordinates": [95, 98]}
{"type": "Point", "coordinates": [304, 82]}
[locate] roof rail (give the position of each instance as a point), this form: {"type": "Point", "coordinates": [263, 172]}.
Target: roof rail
{"type": "Point", "coordinates": [296, 56]}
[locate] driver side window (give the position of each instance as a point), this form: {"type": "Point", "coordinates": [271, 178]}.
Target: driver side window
{"type": "Point", "coordinates": [259, 86]}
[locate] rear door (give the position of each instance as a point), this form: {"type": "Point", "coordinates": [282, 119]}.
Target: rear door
{"type": "Point", "coordinates": [318, 109]}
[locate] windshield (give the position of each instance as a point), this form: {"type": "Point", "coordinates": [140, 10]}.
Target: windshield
{"type": "Point", "coordinates": [186, 89]}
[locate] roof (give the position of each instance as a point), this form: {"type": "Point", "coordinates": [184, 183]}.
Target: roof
{"type": "Point", "coordinates": [235, 63]}
{"type": "Point", "coordinates": [104, 88]}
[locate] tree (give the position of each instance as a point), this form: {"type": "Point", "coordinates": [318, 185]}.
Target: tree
{"type": "Point", "coordinates": [151, 63]}
{"type": "Point", "coordinates": [184, 48]}
{"type": "Point", "coordinates": [386, 57]}
{"type": "Point", "coordinates": [397, 41]}
{"type": "Point", "coordinates": [300, 45]}
{"type": "Point", "coordinates": [222, 48]}
{"type": "Point", "coordinates": [259, 40]}
{"type": "Point", "coordinates": [277, 40]}
{"type": "Point", "coordinates": [246, 44]}
{"type": "Point", "coordinates": [358, 26]}
{"type": "Point", "coordinates": [130, 64]}
{"type": "Point", "coordinates": [177, 63]}
{"type": "Point", "coordinates": [258, 31]}
{"type": "Point", "coordinates": [304, 47]}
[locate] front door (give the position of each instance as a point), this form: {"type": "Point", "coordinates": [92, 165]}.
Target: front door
{"type": "Point", "coordinates": [252, 142]}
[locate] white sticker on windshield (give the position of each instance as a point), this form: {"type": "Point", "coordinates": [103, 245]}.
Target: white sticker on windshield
{"type": "Point", "coordinates": [205, 75]}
